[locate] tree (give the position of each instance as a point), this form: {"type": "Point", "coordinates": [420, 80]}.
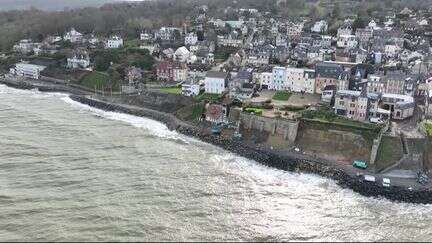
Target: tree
{"type": "Point", "coordinates": [336, 13]}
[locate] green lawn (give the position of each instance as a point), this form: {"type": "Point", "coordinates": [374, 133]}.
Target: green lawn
{"type": "Point", "coordinates": [281, 95]}
{"type": "Point", "coordinates": [97, 79]}
{"type": "Point", "coordinates": [171, 90]}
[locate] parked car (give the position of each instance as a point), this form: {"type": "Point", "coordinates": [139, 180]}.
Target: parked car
{"type": "Point", "coordinates": [386, 182]}
{"type": "Point", "coordinates": [360, 164]}
{"type": "Point", "coordinates": [376, 120]}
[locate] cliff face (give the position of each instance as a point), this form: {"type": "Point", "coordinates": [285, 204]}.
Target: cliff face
{"type": "Point", "coordinates": [169, 103]}
{"type": "Point", "coordinates": [334, 144]}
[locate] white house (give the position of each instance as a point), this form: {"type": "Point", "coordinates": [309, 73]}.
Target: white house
{"type": "Point", "coordinates": [27, 70]}
{"type": "Point", "coordinates": [182, 54]}
{"type": "Point", "coordinates": [392, 50]}
{"type": "Point", "coordinates": [265, 79]}
{"type": "Point", "coordinates": [145, 36]}
{"type": "Point", "coordinates": [78, 60]}
{"type": "Point", "coordinates": [191, 39]}
{"type": "Point", "coordinates": [347, 41]}
{"type": "Point", "coordinates": [215, 82]}
{"type": "Point", "coordinates": [320, 27]}
{"type": "Point", "coordinates": [25, 46]}
{"type": "Point", "coordinates": [295, 79]}
{"type": "Point", "coordinates": [73, 36]}
{"type": "Point", "coordinates": [114, 42]}
{"type": "Point", "coordinates": [278, 78]}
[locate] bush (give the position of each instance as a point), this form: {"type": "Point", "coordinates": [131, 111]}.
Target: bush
{"type": "Point", "coordinates": [293, 108]}
{"type": "Point", "coordinates": [256, 111]}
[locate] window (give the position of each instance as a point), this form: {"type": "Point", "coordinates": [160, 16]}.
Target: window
{"type": "Point", "coordinates": [341, 103]}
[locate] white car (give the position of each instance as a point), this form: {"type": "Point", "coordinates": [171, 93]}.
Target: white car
{"type": "Point", "coordinates": [386, 182]}
{"type": "Point", "coordinates": [376, 120]}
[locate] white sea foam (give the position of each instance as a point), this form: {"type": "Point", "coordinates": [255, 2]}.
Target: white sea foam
{"type": "Point", "coordinates": [153, 127]}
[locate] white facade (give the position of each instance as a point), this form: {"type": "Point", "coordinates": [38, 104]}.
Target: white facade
{"type": "Point", "coordinates": [180, 74]}
{"type": "Point", "coordinates": [182, 54]}
{"type": "Point", "coordinates": [190, 89]}
{"type": "Point", "coordinates": [295, 79]}
{"type": "Point", "coordinates": [145, 37]}
{"type": "Point", "coordinates": [347, 41]}
{"type": "Point", "coordinates": [78, 62]}
{"type": "Point", "coordinates": [265, 79]}
{"type": "Point", "coordinates": [73, 36]}
{"type": "Point", "coordinates": [114, 42]}
{"type": "Point", "coordinates": [28, 70]}
{"type": "Point", "coordinates": [320, 27]}
{"type": "Point", "coordinates": [214, 85]}
{"type": "Point", "coordinates": [278, 79]}
{"type": "Point", "coordinates": [191, 39]}
{"type": "Point", "coordinates": [392, 50]}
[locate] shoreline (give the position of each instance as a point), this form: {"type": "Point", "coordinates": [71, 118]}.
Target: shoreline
{"type": "Point", "coordinates": [285, 161]}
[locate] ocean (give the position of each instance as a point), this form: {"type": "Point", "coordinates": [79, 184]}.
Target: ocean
{"type": "Point", "coordinates": [69, 172]}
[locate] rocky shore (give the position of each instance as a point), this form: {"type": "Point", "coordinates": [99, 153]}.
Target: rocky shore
{"type": "Point", "coordinates": [284, 161]}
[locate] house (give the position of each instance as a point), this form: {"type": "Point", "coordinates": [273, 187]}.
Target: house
{"type": "Point", "coordinates": [278, 79]}
{"type": "Point", "coordinates": [346, 41]}
{"type": "Point", "coordinates": [25, 46]}
{"type": "Point", "coordinates": [151, 47]}
{"type": "Point", "coordinates": [241, 86]}
{"type": "Point", "coordinates": [191, 39]}
{"type": "Point", "coordinates": [351, 104]}
{"type": "Point", "coordinates": [345, 29]}
{"type": "Point", "coordinates": [182, 54]}
{"type": "Point", "coordinates": [294, 30]}
{"type": "Point", "coordinates": [216, 113]}
{"type": "Point", "coordinates": [265, 79]}
{"type": "Point", "coordinates": [192, 86]}
{"type": "Point", "coordinates": [309, 80]}
{"type": "Point", "coordinates": [215, 82]}
{"type": "Point", "coordinates": [300, 80]}
{"type": "Point", "coordinates": [400, 106]}
{"type": "Point", "coordinates": [78, 59]}
{"type": "Point", "coordinates": [259, 57]}
{"type": "Point", "coordinates": [232, 40]}
{"type": "Point", "coordinates": [27, 70]}
{"type": "Point", "coordinates": [167, 33]}
{"type": "Point", "coordinates": [320, 27]}
{"type": "Point", "coordinates": [328, 73]}
{"type": "Point", "coordinates": [281, 54]}
{"type": "Point", "coordinates": [165, 70]}
{"type": "Point", "coordinates": [281, 40]}
{"type": "Point", "coordinates": [114, 42]}
{"type": "Point", "coordinates": [134, 75]}
{"type": "Point", "coordinates": [180, 72]}
{"type": "Point", "coordinates": [73, 36]}
{"type": "Point", "coordinates": [145, 36]}
{"type": "Point", "coordinates": [295, 79]}
{"type": "Point", "coordinates": [364, 35]}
